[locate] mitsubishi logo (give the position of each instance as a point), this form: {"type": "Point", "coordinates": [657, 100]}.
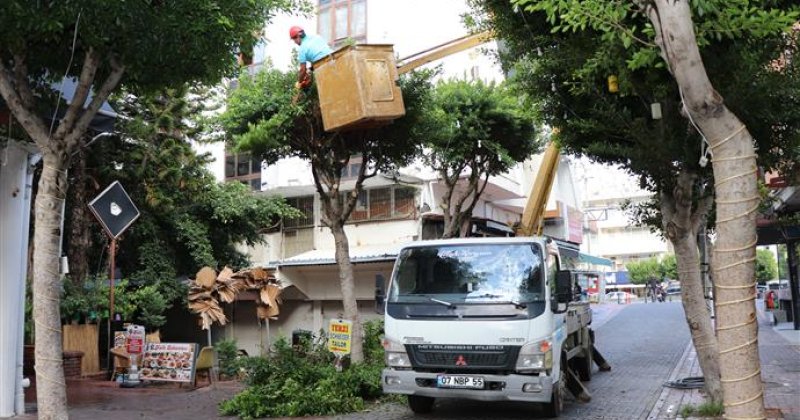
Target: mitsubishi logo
{"type": "Point", "coordinates": [461, 361]}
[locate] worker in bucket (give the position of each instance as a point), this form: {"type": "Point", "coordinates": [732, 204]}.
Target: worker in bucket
{"type": "Point", "coordinates": [312, 48]}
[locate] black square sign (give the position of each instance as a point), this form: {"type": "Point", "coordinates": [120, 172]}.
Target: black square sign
{"type": "Point", "coordinates": [114, 209]}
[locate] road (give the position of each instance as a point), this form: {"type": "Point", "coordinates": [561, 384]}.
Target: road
{"type": "Point", "coordinates": [642, 342]}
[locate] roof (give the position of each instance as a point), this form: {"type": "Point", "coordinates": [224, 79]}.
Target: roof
{"type": "Point", "coordinates": [361, 254]}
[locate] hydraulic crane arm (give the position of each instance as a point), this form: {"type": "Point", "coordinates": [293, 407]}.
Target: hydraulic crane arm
{"type": "Point", "coordinates": [443, 50]}
{"type": "Point", "coordinates": [533, 216]}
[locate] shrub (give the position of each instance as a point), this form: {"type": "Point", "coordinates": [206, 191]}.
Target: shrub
{"type": "Point", "coordinates": [302, 381]}
{"type": "Point", "coordinates": [226, 353]}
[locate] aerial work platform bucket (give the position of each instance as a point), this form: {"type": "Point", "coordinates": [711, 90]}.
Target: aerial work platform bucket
{"type": "Point", "coordinates": [357, 87]}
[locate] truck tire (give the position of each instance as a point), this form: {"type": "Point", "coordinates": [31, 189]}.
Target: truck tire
{"type": "Point", "coordinates": [420, 404]}
{"type": "Point", "coordinates": [554, 408]}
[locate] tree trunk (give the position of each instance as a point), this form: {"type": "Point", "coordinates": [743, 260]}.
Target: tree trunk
{"type": "Point", "coordinates": [680, 227]}
{"type": "Point", "coordinates": [347, 282]}
{"type": "Point", "coordinates": [51, 393]}
{"type": "Point", "coordinates": [737, 200]}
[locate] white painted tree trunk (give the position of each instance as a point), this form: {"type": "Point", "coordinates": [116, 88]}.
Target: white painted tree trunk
{"type": "Point", "coordinates": [51, 395]}
{"type": "Point", "coordinates": [737, 200]}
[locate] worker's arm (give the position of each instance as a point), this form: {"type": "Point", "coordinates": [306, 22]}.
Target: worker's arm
{"type": "Point", "coordinates": [302, 75]}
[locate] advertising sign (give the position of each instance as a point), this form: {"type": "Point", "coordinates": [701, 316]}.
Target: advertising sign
{"type": "Point", "coordinates": [171, 362]}
{"type": "Point", "coordinates": [135, 343]}
{"type": "Point", "coordinates": [114, 209]}
{"type": "Point", "coordinates": [339, 336]}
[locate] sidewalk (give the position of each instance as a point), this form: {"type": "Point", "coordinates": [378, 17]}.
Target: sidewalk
{"type": "Point", "coordinates": [779, 350]}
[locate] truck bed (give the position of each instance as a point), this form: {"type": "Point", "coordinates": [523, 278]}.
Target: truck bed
{"type": "Point", "coordinates": [579, 315]}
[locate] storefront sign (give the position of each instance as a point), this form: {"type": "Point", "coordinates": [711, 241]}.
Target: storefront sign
{"type": "Point", "coordinates": [173, 362]}
{"type": "Point", "coordinates": [135, 343]}
{"type": "Point", "coordinates": [339, 336]}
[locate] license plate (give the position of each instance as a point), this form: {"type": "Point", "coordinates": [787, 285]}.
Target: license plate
{"type": "Point", "coordinates": [452, 381]}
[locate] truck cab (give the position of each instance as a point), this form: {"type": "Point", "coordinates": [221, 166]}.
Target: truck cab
{"type": "Point", "coordinates": [478, 318]}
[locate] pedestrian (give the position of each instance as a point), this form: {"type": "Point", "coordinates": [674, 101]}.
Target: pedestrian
{"type": "Point", "coordinates": [312, 49]}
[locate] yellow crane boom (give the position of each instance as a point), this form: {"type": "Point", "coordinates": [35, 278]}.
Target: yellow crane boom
{"type": "Point", "coordinates": [532, 222]}
{"type": "Point", "coordinates": [413, 61]}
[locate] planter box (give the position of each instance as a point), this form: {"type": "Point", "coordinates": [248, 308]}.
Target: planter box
{"type": "Point", "coordinates": [72, 363]}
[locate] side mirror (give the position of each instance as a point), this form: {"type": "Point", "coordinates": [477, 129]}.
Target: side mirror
{"type": "Point", "coordinates": [380, 294]}
{"type": "Point", "coordinates": [563, 292]}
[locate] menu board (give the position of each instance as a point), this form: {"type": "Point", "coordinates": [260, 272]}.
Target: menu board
{"type": "Point", "coordinates": [173, 362]}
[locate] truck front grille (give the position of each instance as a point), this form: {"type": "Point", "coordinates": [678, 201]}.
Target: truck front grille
{"type": "Point", "coordinates": [463, 357]}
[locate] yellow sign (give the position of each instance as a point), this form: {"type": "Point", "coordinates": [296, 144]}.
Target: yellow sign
{"type": "Point", "coordinates": [340, 333]}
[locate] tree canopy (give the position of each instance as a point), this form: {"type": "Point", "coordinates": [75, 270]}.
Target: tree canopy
{"type": "Point", "coordinates": [270, 119]}
{"type": "Point", "coordinates": [483, 129]}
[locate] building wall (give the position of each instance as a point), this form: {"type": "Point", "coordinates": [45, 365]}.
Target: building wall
{"type": "Point", "coordinates": [609, 233]}
{"type": "Point", "coordinates": [15, 200]}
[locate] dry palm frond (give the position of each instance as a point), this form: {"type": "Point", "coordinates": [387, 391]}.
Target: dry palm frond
{"type": "Point", "coordinates": [225, 275]}
{"type": "Point", "coordinates": [206, 277]}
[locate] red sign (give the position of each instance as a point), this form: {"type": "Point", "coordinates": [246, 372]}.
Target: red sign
{"type": "Point", "coordinates": [135, 339]}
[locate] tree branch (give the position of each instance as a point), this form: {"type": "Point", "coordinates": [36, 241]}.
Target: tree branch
{"type": "Point", "coordinates": [90, 64]}
{"type": "Point", "coordinates": [21, 75]}
{"type": "Point", "coordinates": [26, 116]}
{"type": "Point", "coordinates": [108, 86]}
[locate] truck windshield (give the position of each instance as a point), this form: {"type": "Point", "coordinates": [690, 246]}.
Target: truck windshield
{"type": "Point", "coordinates": [469, 274]}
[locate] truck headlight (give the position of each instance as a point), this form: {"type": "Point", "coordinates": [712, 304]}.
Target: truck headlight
{"type": "Point", "coordinates": [535, 356]}
{"type": "Point", "coordinates": [396, 355]}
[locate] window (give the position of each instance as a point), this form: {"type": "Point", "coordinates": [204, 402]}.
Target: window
{"type": "Point", "coordinates": [306, 206]}
{"type": "Point", "coordinates": [245, 169]}
{"type": "Point", "coordinates": [384, 203]}
{"type": "Point", "coordinates": [342, 19]}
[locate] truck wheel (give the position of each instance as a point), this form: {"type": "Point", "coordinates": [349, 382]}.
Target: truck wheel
{"type": "Point", "coordinates": [420, 404]}
{"type": "Point", "coordinates": [556, 405]}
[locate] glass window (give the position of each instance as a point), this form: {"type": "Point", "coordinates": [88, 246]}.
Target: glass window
{"type": "Point", "coordinates": [404, 204]}
{"type": "Point", "coordinates": [325, 23]}
{"type": "Point", "coordinates": [358, 19]}
{"type": "Point", "coordinates": [341, 19]}
{"type": "Point", "coordinates": [306, 206]}
{"type": "Point", "coordinates": [380, 203]}
{"type": "Point", "coordinates": [243, 165]}
{"type": "Point", "coordinates": [341, 22]}
{"type": "Point", "coordinates": [470, 274]}
{"type": "Point", "coordinates": [255, 184]}
{"type": "Point", "coordinates": [354, 169]}
{"type": "Point", "coordinates": [230, 166]}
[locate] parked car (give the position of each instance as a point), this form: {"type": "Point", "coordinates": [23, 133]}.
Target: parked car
{"type": "Point", "coordinates": [620, 297]}
{"type": "Point", "coordinates": [673, 290]}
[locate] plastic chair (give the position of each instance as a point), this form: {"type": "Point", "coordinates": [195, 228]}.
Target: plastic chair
{"type": "Point", "coordinates": [205, 363]}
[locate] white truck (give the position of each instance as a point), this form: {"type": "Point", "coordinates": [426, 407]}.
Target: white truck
{"type": "Point", "coordinates": [488, 319]}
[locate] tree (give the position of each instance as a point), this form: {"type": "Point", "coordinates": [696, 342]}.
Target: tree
{"type": "Point", "coordinates": [641, 272]}
{"type": "Point", "coordinates": [484, 129]}
{"type": "Point", "coordinates": [187, 219]}
{"type": "Point", "coordinates": [766, 266]}
{"type": "Point", "coordinates": [263, 117]}
{"type": "Point", "coordinates": [100, 44]}
{"type": "Point", "coordinates": [574, 55]}
{"type": "Point", "coordinates": [669, 267]}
